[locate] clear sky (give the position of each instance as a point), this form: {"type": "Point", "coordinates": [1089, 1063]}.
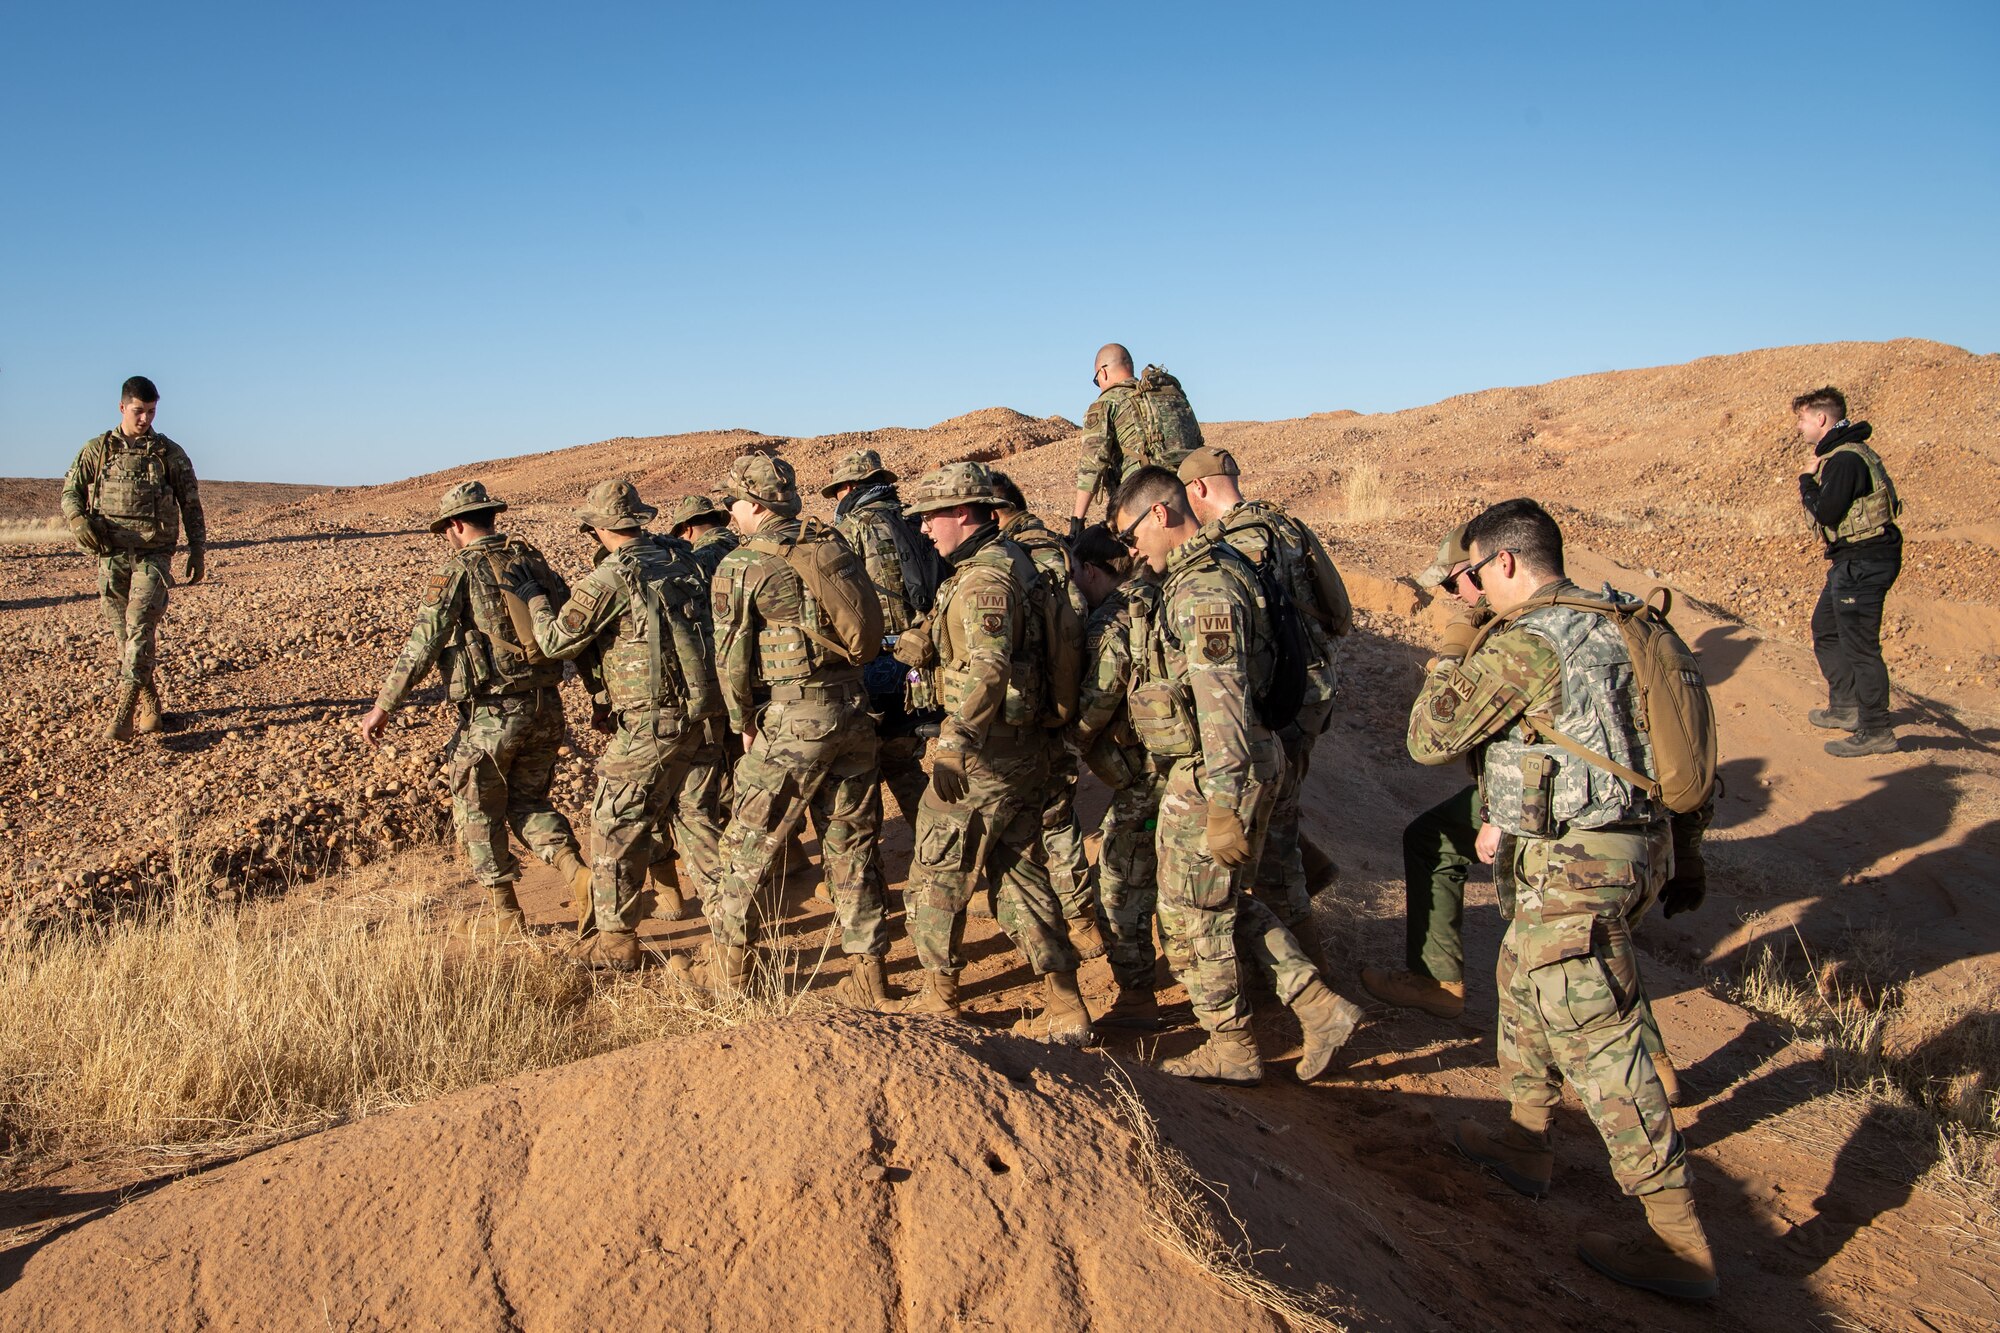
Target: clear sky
{"type": "Point", "coordinates": [354, 242]}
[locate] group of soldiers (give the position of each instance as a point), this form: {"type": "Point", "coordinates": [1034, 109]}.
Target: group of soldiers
{"type": "Point", "coordinates": [755, 668]}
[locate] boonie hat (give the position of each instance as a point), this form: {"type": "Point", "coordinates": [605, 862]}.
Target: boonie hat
{"type": "Point", "coordinates": [767, 480]}
{"type": "Point", "coordinates": [692, 507]}
{"type": "Point", "coordinates": [951, 485]}
{"type": "Point", "coordinates": [468, 497]}
{"type": "Point", "coordinates": [614, 506]}
{"type": "Point", "coordinates": [859, 466]}
{"type": "Point", "coordinates": [1207, 461]}
{"type": "Point", "coordinates": [1451, 553]}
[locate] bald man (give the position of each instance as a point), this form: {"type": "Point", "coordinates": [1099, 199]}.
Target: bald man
{"type": "Point", "coordinates": [1135, 421]}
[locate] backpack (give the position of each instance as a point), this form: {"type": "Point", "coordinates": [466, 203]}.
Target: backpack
{"type": "Point", "coordinates": [1673, 705]}
{"type": "Point", "coordinates": [1278, 703]}
{"type": "Point", "coordinates": [923, 567]}
{"type": "Point", "coordinates": [1053, 637]}
{"type": "Point", "coordinates": [1167, 429]}
{"type": "Point", "coordinates": [499, 615]}
{"type": "Point", "coordinates": [680, 645]}
{"type": "Point", "coordinates": [843, 613]}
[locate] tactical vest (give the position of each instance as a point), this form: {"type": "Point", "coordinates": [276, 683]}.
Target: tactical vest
{"type": "Point", "coordinates": [1161, 704]}
{"type": "Point", "coordinates": [866, 529]}
{"type": "Point", "coordinates": [711, 546]}
{"type": "Point", "coordinates": [663, 653]}
{"type": "Point", "coordinates": [133, 492]}
{"type": "Point", "coordinates": [786, 653]}
{"type": "Point", "coordinates": [1116, 755]}
{"type": "Point", "coordinates": [1271, 534]}
{"type": "Point", "coordinates": [495, 658]}
{"type": "Point", "coordinates": [1870, 515]}
{"type": "Point", "coordinates": [1024, 700]}
{"type": "Point", "coordinates": [1535, 788]}
{"type": "Point", "coordinates": [1161, 422]}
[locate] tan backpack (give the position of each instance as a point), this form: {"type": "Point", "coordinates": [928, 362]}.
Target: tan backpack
{"type": "Point", "coordinates": [843, 612]}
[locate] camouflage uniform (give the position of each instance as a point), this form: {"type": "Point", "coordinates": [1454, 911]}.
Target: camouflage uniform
{"type": "Point", "coordinates": [639, 623]}
{"type": "Point", "coordinates": [1135, 422]}
{"type": "Point", "coordinates": [815, 742]}
{"type": "Point", "coordinates": [1207, 654]}
{"type": "Point", "coordinates": [1127, 867]}
{"type": "Point", "coordinates": [503, 758]}
{"type": "Point", "coordinates": [136, 495]}
{"type": "Point", "coordinates": [1062, 836]}
{"type": "Point", "coordinates": [1590, 854]}
{"type": "Point", "coordinates": [700, 807]}
{"type": "Point", "coordinates": [711, 543]}
{"type": "Point", "coordinates": [991, 690]}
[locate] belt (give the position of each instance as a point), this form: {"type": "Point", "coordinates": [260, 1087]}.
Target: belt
{"type": "Point", "coordinates": [794, 691]}
{"type": "Point", "coordinates": [1011, 731]}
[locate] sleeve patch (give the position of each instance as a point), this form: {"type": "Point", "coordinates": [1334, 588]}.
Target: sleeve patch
{"type": "Point", "coordinates": [583, 600]}
{"type": "Point", "coordinates": [993, 622]}
{"type": "Point", "coordinates": [434, 591]}
{"type": "Point", "coordinates": [721, 604]}
{"type": "Point", "coordinates": [572, 619]}
{"type": "Point", "coordinates": [1215, 622]}
{"type": "Point", "coordinates": [1444, 704]}
{"type": "Point", "coordinates": [1217, 647]}
{"type": "Point", "coordinates": [994, 599]}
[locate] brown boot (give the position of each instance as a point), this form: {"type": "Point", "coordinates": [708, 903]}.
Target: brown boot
{"type": "Point", "coordinates": [980, 904]}
{"type": "Point", "coordinates": [1670, 1079]}
{"type": "Point", "coordinates": [1086, 937]}
{"type": "Point", "coordinates": [607, 950]}
{"type": "Point", "coordinates": [1327, 1021]}
{"type": "Point", "coordinates": [146, 718]}
{"type": "Point", "coordinates": [575, 874]}
{"type": "Point", "coordinates": [1522, 1155]}
{"type": "Point", "coordinates": [1321, 872]}
{"type": "Point", "coordinates": [1133, 1009]}
{"type": "Point", "coordinates": [123, 705]}
{"type": "Point", "coordinates": [1063, 1020]}
{"type": "Point", "coordinates": [1413, 990]}
{"type": "Point", "coordinates": [721, 969]}
{"type": "Point", "coordinates": [939, 995]}
{"type": "Point", "coordinates": [507, 910]}
{"type": "Point", "coordinates": [1674, 1261]}
{"type": "Point", "coordinates": [1226, 1057]}
{"type": "Point", "coordinates": [668, 905]}
{"type": "Point", "coordinates": [864, 986]}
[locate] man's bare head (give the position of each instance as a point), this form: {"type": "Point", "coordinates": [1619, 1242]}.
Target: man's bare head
{"type": "Point", "coordinates": [1114, 366]}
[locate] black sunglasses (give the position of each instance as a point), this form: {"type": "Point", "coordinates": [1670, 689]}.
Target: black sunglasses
{"type": "Point", "coordinates": [1471, 572]}
{"type": "Point", "coordinates": [1128, 536]}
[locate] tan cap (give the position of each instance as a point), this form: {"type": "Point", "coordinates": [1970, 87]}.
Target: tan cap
{"type": "Point", "coordinates": [951, 485]}
{"type": "Point", "coordinates": [1208, 461]}
{"type": "Point", "coordinates": [1451, 554]}
{"type": "Point", "coordinates": [615, 506]}
{"type": "Point", "coordinates": [468, 497]}
{"type": "Point", "coordinates": [692, 507]}
{"type": "Point", "coordinates": [859, 466]}
{"type": "Point", "coordinates": [768, 480]}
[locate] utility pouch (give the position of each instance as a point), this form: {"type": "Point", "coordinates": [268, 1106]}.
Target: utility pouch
{"type": "Point", "coordinates": [1538, 778]}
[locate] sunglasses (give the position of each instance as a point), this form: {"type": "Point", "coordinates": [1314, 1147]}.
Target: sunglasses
{"type": "Point", "coordinates": [1128, 536]}
{"type": "Point", "coordinates": [1096, 376]}
{"type": "Point", "coordinates": [1471, 572]}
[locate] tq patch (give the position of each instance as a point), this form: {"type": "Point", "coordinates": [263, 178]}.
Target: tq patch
{"type": "Point", "coordinates": [1216, 647]}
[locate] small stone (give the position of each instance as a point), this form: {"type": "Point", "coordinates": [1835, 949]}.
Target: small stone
{"type": "Point", "coordinates": [874, 1171]}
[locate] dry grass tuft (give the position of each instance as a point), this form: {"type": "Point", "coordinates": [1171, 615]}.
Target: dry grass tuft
{"type": "Point", "coordinates": [1367, 498]}
{"type": "Point", "coordinates": [33, 532]}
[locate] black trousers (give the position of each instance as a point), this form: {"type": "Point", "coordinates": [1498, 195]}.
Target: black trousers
{"type": "Point", "coordinates": [1847, 634]}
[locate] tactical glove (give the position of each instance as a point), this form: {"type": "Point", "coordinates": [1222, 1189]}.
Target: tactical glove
{"type": "Point", "coordinates": [197, 564]}
{"type": "Point", "coordinates": [1684, 892]}
{"type": "Point", "coordinates": [1227, 842]}
{"type": "Point", "coordinates": [1456, 641]}
{"type": "Point", "coordinates": [89, 533]}
{"type": "Point", "coordinates": [914, 648]}
{"type": "Point", "coordinates": [948, 774]}
{"type": "Point", "coordinates": [600, 718]}
{"type": "Point", "coordinates": [1075, 532]}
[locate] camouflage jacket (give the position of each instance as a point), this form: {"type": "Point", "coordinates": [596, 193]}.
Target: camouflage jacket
{"type": "Point", "coordinates": [447, 636]}
{"type": "Point", "coordinates": [864, 526]}
{"type": "Point", "coordinates": [649, 592]}
{"type": "Point", "coordinates": [760, 639]}
{"type": "Point", "coordinates": [143, 489]}
{"type": "Point", "coordinates": [1122, 435]}
{"type": "Point", "coordinates": [713, 544]}
{"type": "Point", "coordinates": [1207, 656]}
{"type": "Point", "coordinates": [978, 629]}
{"type": "Point", "coordinates": [1102, 733]}
{"type": "Point", "coordinates": [1553, 669]}
{"type": "Point", "coordinates": [1320, 598]}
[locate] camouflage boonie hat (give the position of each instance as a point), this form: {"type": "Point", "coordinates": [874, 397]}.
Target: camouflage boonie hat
{"type": "Point", "coordinates": [859, 466]}
{"type": "Point", "coordinates": [692, 507]}
{"type": "Point", "coordinates": [468, 497]}
{"type": "Point", "coordinates": [951, 485]}
{"type": "Point", "coordinates": [1452, 552]}
{"type": "Point", "coordinates": [767, 480]}
{"type": "Point", "coordinates": [1207, 461]}
{"type": "Point", "coordinates": [614, 506]}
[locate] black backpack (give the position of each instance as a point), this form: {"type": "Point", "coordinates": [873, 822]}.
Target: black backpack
{"type": "Point", "coordinates": [923, 567]}
{"type": "Point", "coordinates": [1278, 703]}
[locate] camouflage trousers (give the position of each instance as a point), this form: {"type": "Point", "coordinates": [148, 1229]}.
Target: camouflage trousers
{"type": "Point", "coordinates": [688, 815]}
{"type": "Point", "coordinates": [132, 586]}
{"type": "Point", "coordinates": [1062, 838]}
{"type": "Point", "coordinates": [1571, 1002]}
{"type": "Point", "coordinates": [816, 753]}
{"type": "Point", "coordinates": [645, 764]}
{"type": "Point", "coordinates": [1280, 880]}
{"type": "Point", "coordinates": [501, 767]}
{"type": "Point", "coordinates": [1211, 922]}
{"type": "Point", "coordinates": [903, 773]}
{"type": "Point", "coordinates": [995, 828]}
{"type": "Point", "coordinates": [1128, 878]}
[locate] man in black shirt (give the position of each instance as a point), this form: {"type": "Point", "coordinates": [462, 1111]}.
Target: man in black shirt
{"type": "Point", "coordinates": [1853, 503]}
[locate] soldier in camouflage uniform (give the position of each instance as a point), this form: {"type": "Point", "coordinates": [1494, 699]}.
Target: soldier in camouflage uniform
{"type": "Point", "coordinates": [980, 654]}
{"type": "Point", "coordinates": [1207, 659]}
{"type": "Point", "coordinates": [1137, 420]}
{"type": "Point", "coordinates": [1062, 835]}
{"type": "Point", "coordinates": [704, 526]}
{"type": "Point", "coordinates": [1293, 869]}
{"type": "Point", "coordinates": [639, 625]}
{"type": "Point", "coordinates": [127, 496]}
{"type": "Point", "coordinates": [1590, 853]}
{"type": "Point", "coordinates": [809, 741]}
{"type": "Point", "coordinates": [1121, 611]}
{"type": "Point", "coordinates": [510, 718]}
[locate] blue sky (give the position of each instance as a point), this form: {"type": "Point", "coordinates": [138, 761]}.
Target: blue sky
{"type": "Point", "coordinates": [357, 242]}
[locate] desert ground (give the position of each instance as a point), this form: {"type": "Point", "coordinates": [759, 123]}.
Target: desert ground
{"type": "Point", "coordinates": [1833, 1005]}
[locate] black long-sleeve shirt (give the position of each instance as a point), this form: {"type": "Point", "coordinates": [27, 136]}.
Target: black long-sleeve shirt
{"type": "Point", "coordinates": [1843, 480]}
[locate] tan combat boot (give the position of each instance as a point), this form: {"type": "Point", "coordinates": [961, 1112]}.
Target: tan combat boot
{"type": "Point", "coordinates": [607, 950]}
{"type": "Point", "coordinates": [939, 995]}
{"type": "Point", "coordinates": [721, 969]}
{"type": "Point", "coordinates": [1674, 1261]}
{"type": "Point", "coordinates": [1086, 937]}
{"type": "Point", "coordinates": [864, 986]}
{"type": "Point", "coordinates": [1412, 990]}
{"type": "Point", "coordinates": [147, 719]}
{"type": "Point", "coordinates": [512, 921]}
{"type": "Point", "coordinates": [1327, 1021]}
{"type": "Point", "coordinates": [1133, 1009]}
{"type": "Point", "coordinates": [1226, 1057]}
{"type": "Point", "coordinates": [668, 905]}
{"type": "Point", "coordinates": [1063, 1021]}
{"type": "Point", "coordinates": [1321, 871]}
{"type": "Point", "coordinates": [575, 872]}
{"type": "Point", "coordinates": [122, 706]}
{"type": "Point", "coordinates": [1522, 1155]}
{"type": "Point", "coordinates": [1670, 1079]}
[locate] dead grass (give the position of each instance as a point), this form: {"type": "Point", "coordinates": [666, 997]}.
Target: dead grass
{"type": "Point", "coordinates": [1367, 497]}
{"type": "Point", "coordinates": [33, 531]}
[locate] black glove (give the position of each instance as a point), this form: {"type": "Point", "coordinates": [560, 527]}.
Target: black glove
{"type": "Point", "coordinates": [1075, 532]}
{"type": "Point", "coordinates": [197, 565]}
{"type": "Point", "coordinates": [1684, 891]}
